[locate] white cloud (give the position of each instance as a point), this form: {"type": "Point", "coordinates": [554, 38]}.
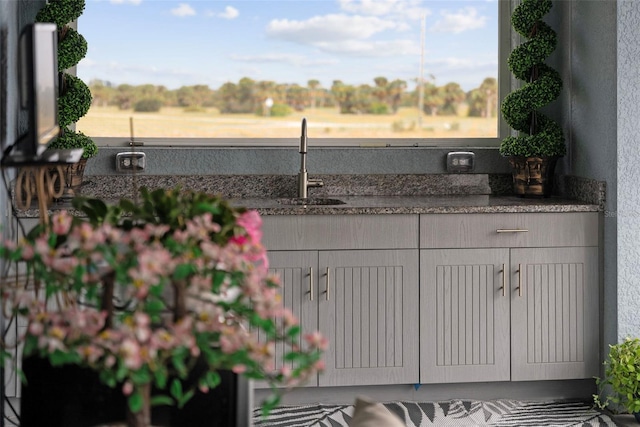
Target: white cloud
{"type": "Point", "coordinates": [229, 13]}
{"type": "Point", "coordinates": [460, 21]}
{"type": "Point", "coordinates": [183, 9]}
{"type": "Point", "coordinates": [328, 28]}
{"type": "Point", "coordinates": [397, 9]}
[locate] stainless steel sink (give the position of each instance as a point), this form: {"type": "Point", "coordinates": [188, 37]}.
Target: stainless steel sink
{"type": "Point", "coordinates": [316, 201]}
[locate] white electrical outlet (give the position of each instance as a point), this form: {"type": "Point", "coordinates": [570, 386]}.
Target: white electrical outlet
{"type": "Point", "coordinates": [130, 161]}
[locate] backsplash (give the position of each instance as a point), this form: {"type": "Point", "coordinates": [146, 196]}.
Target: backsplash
{"type": "Point", "coordinates": [266, 186]}
{"type": "Point", "coordinates": [566, 186]}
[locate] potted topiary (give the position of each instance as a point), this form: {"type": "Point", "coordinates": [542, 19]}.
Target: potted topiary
{"type": "Point", "coordinates": [154, 299]}
{"type": "Point", "coordinates": [621, 382]}
{"type": "Point", "coordinates": [75, 97]}
{"type": "Point", "coordinates": [533, 153]}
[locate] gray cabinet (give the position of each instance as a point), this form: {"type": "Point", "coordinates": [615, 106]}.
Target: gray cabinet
{"type": "Point", "coordinates": [368, 308]}
{"type": "Point", "coordinates": [297, 273]}
{"type": "Point", "coordinates": [516, 312]}
{"type": "Point", "coordinates": [464, 315]}
{"type": "Point", "coordinates": [554, 313]}
{"type": "Point", "coordinates": [360, 290]}
{"type": "Point", "coordinates": [364, 302]}
{"type": "Point", "coordinates": [443, 298]}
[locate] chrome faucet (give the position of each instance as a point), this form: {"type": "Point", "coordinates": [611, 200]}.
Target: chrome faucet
{"type": "Point", "coordinates": [303, 177]}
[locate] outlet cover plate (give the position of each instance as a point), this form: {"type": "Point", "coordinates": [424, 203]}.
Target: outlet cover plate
{"type": "Point", "coordinates": [131, 161]}
{"type": "Point", "coordinates": [460, 161]}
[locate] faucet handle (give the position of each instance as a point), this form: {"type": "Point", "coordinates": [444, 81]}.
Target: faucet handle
{"type": "Point", "coordinates": [315, 182]}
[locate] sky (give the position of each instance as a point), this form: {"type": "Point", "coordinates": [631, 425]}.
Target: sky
{"type": "Point", "coordinates": [189, 42]}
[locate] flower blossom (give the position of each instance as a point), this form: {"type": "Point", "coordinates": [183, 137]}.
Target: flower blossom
{"type": "Point", "coordinates": [61, 223]}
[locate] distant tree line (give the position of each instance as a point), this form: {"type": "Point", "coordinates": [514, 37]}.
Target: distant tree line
{"type": "Point", "coordinates": [249, 96]}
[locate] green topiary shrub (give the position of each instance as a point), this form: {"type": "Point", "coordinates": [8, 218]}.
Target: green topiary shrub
{"type": "Point", "coordinates": [61, 12]}
{"type": "Point", "coordinates": [75, 98]}
{"type": "Point", "coordinates": [74, 101]}
{"type": "Point", "coordinates": [70, 139]}
{"type": "Point", "coordinates": [72, 47]}
{"type": "Point", "coordinates": [539, 135]}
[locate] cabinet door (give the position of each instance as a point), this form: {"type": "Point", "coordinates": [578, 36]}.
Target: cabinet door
{"type": "Point", "coordinates": [297, 271]}
{"type": "Point", "coordinates": [368, 309]}
{"type": "Point", "coordinates": [464, 315]}
{"type": "Point", "coordinates": [554, 316]}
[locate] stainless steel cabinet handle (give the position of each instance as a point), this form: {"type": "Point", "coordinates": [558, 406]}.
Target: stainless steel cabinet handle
{"type": "Point", "coordinates": [310, 283]}
{"type": "Point", "coordinates": [512, 230]}
{"type": "Point", "coordinates": [328, 285]}
{"type": "Point", "coordinates": [519, 280]}
{"type": "Point", "coordinates": [504, 280]}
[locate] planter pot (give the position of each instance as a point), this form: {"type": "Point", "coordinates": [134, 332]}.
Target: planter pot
{"type": "Point", "coordinates": [73, 176]}
{"type": "Point", "coordinates": [533, 176]}
{"type": "Point", "coordinates": [71, 396]}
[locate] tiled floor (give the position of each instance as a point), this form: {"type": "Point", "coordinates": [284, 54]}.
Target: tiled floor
{"type": "Point", "coordinates": [625, 420]}
{"type": "Point", "coordinates": [621, 420]}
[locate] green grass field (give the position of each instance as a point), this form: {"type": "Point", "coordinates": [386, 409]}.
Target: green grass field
{"type": "Point", "coordinates": [322, 123]}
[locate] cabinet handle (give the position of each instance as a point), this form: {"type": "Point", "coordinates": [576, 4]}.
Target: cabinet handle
{"type": "Point", "coordinates": [328, 285]}
{"type": "Point", "coordinates": [310, 283]}
{"type": "Point", "coordinates": [504, 280]}
{"type": "Point", "coordinates": [512, 230]}
{"type": "Point", "coordinates": [519, 280]}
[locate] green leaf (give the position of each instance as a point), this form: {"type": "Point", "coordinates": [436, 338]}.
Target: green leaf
{"type": "Point", "coordinates": [154, 306]}
{"type": "Point", "coordinates": [212, 379]}
{"type": "Point", "coordinates": [135, 401]}
{"type": "Point", "coordinates": [185, 398]}
{"type": "Point", "coordinates": [5, 356]}
{"type": "Point", "coordinates": [176, 389]}
{"type": "Point", "coordinates": [95, 209]}
{"type": "Point", "coordinates": [269, 403]}
{"type": "Point", "coordinates": [218, 279]}
{"type": "Point", "coordinates": [292, 356]}
{"type": "Point", "coordinates": [183, 271]}
{"type": "Point", "coordinates": [159, 400]}
{"type": "Point", "coordinates": [161, 378]}
{"type": "Point", "coordinates": [22, 376]}
{"type": "Point", "coordinates": [293, 331]}
{"type": "Point", "coordinates": [178, 360]}
{"type": "Point", "coordinates": [140, 376]}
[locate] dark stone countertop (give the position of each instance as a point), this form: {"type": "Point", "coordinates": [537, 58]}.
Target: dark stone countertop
{"type": "Point", "coordinates": [381, 205]}
{"type": "Point", "coordinates": [361, 194]}
{"type": "Point", "coordinates": [418, 205]}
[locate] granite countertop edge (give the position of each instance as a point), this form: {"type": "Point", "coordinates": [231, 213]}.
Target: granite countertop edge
{"type": "Point", "coordinates": [386, 205]}
{"type": "Point", "coordinates": [424, 205]}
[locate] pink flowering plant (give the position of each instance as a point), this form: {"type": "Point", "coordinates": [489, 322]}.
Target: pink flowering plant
{"type": "Point", "coordinates": [144, 291]}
